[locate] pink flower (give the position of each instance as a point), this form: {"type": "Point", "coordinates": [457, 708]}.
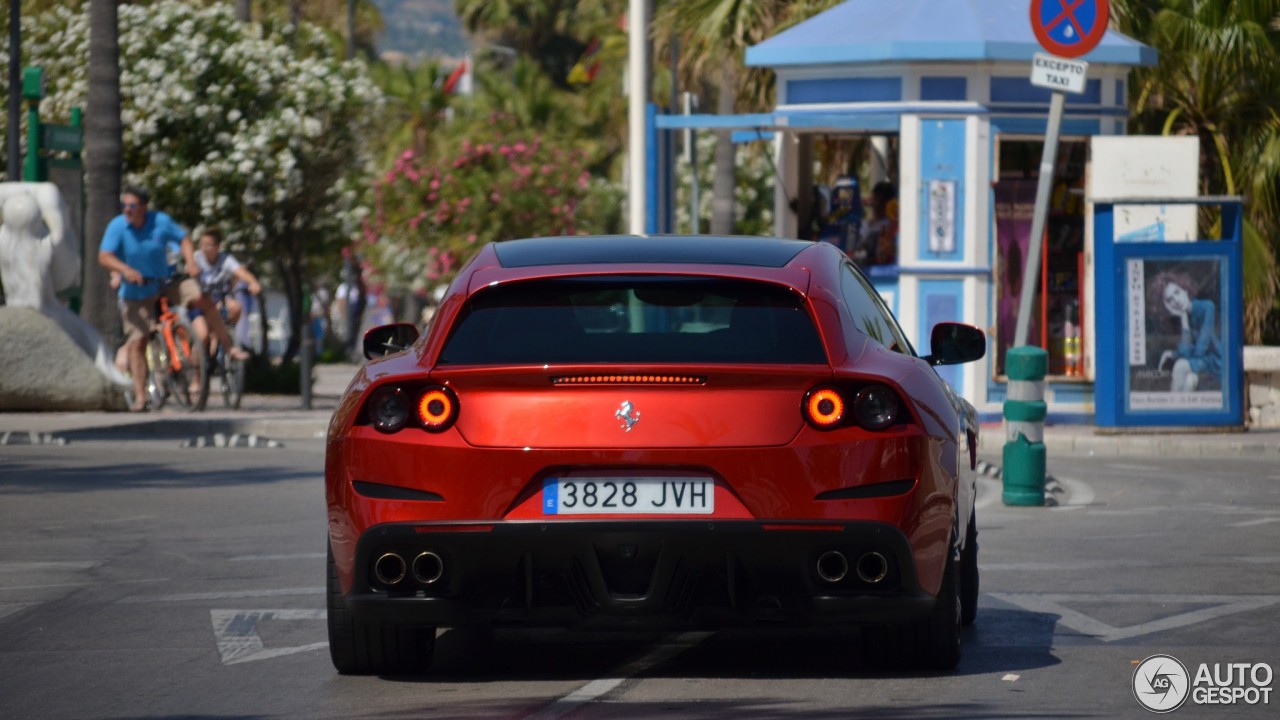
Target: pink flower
{"type": "Point", "coordinates": [582, 180]}
{"type": "Point", "coordinates": [471, 238]}
{"type": "Point", "coordinates": [435, 184]}
{"type": "Point", "coordinates": [520, 147]}
{"type": "Point", "coordinates": [408, 154]}
{"type": "Point", "coordinates": [495, 196]}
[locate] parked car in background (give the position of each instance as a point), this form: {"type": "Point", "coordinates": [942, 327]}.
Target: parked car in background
{"type": "Point", "coordinates": [636, 432]}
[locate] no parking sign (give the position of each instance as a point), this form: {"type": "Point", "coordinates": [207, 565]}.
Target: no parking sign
{"type": "Point", "coordinates": [1069, 28]}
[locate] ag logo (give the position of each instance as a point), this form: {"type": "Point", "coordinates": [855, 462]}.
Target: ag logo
{"type": "Point", "coordinates": [1161, 683]}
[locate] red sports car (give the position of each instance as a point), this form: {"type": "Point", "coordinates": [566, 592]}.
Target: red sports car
{"type": "Point", "coordinates": [630, 432]}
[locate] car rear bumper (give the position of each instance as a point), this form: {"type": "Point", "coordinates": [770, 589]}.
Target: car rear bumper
{"type": "Point", "coordinates": [603, 574]}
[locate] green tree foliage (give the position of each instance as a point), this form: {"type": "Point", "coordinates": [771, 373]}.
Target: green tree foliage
{"type": "Point", "coordinates": [1218, 77]}
{"type": "Point", "coordinates": [256, 128]}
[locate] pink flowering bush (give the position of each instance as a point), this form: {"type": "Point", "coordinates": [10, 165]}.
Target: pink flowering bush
{"type": "Point", "coordinates": [494, 182]}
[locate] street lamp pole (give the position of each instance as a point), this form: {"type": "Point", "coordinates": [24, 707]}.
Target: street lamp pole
{"type": "Point", "coordinates": [637, 97]}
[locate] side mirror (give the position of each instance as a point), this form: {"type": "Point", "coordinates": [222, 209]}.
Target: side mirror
{"type": "Point", "coordinates": [387, 339]}
{"type": "Point", "coordinates": [955, 344]}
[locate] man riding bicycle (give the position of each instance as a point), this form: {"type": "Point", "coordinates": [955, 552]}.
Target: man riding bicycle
{"type": "Point", "coordinates": [134, 245]}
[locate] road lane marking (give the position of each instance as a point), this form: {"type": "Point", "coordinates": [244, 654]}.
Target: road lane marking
{"type": "Point", "coordinates": [1054, 604]}
{"type": "Point", "coordinates": [296, 556]}
{"type": "Point", "coordinates": [7, 610]}
{"type": "Point", "coordinates": [236, 634]}
{"type": "Point", "coordinates": [183, 597]}
{"type": "Point", "coordinates": [56, 565]}
{"type": "Point", "coordinates": [1079, 492]}
{"type": "Point", "coordinates": [1069, 565]}
{"type": "Point", "coordinates": [596, 689]}
{"type": "Point", "coordinates": [1251, 523]}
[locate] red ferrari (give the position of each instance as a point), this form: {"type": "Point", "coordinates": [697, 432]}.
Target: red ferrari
{"type": "Point", "coordinates": [637, 432]}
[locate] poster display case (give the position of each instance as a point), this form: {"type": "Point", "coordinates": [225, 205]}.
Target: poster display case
{"type": "Point", "coordinates": [1170, 321]}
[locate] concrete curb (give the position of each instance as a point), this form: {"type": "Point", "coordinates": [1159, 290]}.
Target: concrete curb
{"type": "Point", "coordinates": [1081, 441]}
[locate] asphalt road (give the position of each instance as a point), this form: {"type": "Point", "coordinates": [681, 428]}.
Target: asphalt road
{"type": "Point", "coordinates": [140, 580]}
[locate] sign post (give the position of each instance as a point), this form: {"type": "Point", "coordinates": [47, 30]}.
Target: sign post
{"type": "Point", "coordinates": [1066, 29]}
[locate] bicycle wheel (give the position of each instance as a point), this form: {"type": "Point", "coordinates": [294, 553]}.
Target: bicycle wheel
{"type": "Point", "coordinates": [232, 381]}
{"type": "Point", "coordinates": [157, 371]}
{"type": "Point", "coordinates": [189, 380]}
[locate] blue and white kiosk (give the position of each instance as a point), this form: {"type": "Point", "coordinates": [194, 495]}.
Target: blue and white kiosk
{"type": "Point", "coordinates": [945, 86]}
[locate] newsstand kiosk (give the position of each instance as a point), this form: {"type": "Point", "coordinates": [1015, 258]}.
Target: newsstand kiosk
{"type": "Point", "coordinates": [1170, 318]}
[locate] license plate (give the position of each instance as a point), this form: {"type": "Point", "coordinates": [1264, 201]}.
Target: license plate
{"type": "Point", "coordinates": [628, 496]}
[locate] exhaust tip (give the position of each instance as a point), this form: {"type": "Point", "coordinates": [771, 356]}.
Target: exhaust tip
{"type": "Point", "coordinates": [428, 568]}
{"type": "Point", "coordinates": [389, 569]}
{"type": "Point", "coordinates": [832, 566]}
{"type": "Point", "coordinates": [872, 568]}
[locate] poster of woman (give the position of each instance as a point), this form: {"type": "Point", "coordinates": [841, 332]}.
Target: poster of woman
{"type": "Point", "coordinates": [1176, 320]}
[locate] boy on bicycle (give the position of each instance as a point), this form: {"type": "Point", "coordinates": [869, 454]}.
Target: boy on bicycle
{"type": "Point", "coordinates": [134, 245]}
{"type": "Point", "coordinates": [219, 273]}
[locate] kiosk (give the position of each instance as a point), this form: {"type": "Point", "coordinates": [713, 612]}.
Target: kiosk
{"type": "Point", "coordinates": [945, 88]}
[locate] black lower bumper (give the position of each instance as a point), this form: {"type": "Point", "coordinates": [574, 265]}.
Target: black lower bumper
{"type": "Point", "coordinates": [593, 574]}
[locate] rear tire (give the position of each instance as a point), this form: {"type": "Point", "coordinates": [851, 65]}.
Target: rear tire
{"type": "Point", "coordinates": [969, 580]}
{"type": "Point", "coordinates": [362, 648]}
{"type": "Point", "coordinates": [930, 643]}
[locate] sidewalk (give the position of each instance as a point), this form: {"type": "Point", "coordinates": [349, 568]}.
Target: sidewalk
{"type": "Point", "coordinates": [281, 417]}
{"type": "Point", "coordinates": [277, 417]}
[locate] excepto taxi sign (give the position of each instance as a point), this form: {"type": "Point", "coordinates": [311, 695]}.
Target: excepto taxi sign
{"type": "Point", "coordinates": [1058, 73]}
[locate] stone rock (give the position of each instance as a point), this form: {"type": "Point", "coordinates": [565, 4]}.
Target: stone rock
{"type": "Point", "coordinates": [43, 369]}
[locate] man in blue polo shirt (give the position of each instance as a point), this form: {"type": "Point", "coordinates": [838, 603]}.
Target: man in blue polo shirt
{"type": "Point", "coordinates": [135, 245]}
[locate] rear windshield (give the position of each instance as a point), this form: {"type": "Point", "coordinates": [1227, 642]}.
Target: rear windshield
{"type": "Point", "coordinates": [634, 320]}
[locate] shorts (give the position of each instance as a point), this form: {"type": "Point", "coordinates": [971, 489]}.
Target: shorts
{"type": "Point", "coordinates": [139, 315]}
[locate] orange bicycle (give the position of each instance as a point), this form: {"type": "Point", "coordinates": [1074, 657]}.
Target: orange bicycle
{"type": "Point", "coordinates": [177, 362]}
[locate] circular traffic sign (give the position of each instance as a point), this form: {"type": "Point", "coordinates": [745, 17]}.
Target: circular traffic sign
{"type": "Point", "coordinates": [1069, 28]}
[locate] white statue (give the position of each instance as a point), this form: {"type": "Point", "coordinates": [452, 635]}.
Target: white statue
{"type": "Point", "coordinates": [39, 256]}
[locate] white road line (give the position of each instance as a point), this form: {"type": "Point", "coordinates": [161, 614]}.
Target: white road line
{"type": "Point", "coordinates": [183, 597]}
{"type": "Point", "coordinates": [1251, 523]}
{"type": "Point", "coordinates": [297, 556]}
{"type": "Point", "coordinates": [236, 634]}
{"type": "Point", "coordinates": [1055, 604]}
{"type": "Point", "coordinates": [1079, 492]}
{"type": "Point", "coordinates": [596, 689]}
{"type": "Point", "coordinates": [7, 610]}
{"type": "Point", "coordinates": [1061, 566]}
{"type": "Point", "coordinates": [71, 565]}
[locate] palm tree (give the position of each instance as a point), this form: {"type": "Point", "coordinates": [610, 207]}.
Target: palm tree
{"type": "Point", "coordinates": [104, 161]}
{"type": "Point", "coordinates": [714, 36]}
{"type": "Point", "coordinates": [416, 103]}
{"type": "Point", "coordinates": [1218, 77]}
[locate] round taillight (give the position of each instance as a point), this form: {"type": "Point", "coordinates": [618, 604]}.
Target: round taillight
{"type": "Point", "coordinates": [824, 408]}
{"type": "Point", "coordinates": [437, 408]}
{"type": "Point", "coordinates": [389, 410]}
{"type": "Point", "coordinates": [876, 407]}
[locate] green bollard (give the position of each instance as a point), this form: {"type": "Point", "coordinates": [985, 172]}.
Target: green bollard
{"type": "Point", "coordinates": [1024, 413]}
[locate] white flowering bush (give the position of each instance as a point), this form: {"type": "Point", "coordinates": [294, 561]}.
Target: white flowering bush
{"type": "Point", "coordinates": [256, 128]}
{"type": "Point", "coordinates": [753, 194]}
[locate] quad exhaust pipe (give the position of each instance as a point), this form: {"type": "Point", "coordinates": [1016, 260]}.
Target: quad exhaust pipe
{"type": "Point", "coordinates": [832, 566]}
{"type": "Point", "coordinates": [428, 568]}
{"type": "Point", "coordinates": [871, 567]}
{"type": "Point", "coordinates": [389, 568]}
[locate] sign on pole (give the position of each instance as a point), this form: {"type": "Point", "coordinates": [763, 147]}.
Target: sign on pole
{"type": "Point", "coordinates": [1069, 28]}
{"type": "Point", "coordinates": [1058, 74]}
